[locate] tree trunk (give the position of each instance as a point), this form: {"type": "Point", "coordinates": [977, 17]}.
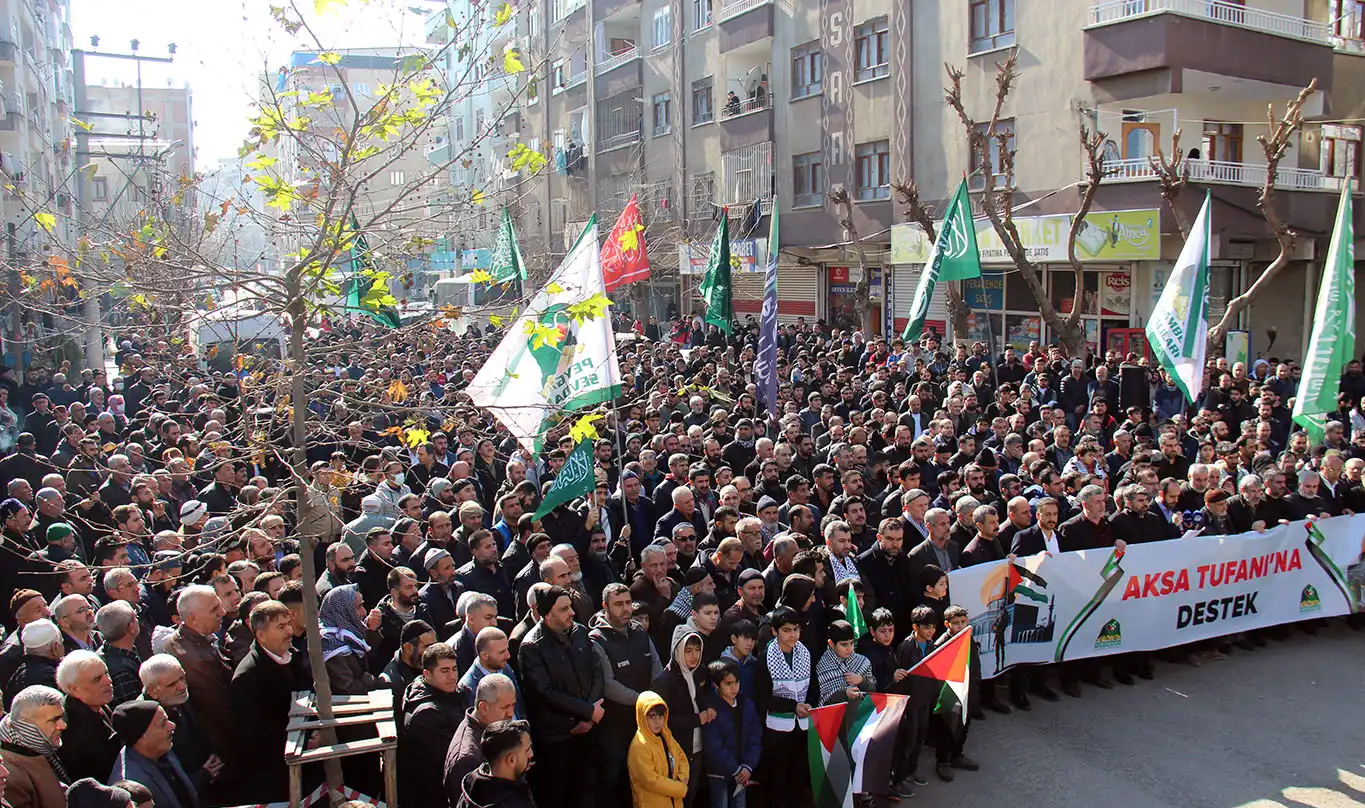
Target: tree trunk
{"type": "Point", "coordinates": [958, 313]}
{"type": "Point", "coordinates": [322, 683]}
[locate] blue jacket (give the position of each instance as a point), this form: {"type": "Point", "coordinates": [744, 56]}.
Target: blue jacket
{"type": "Point", "coordinates": [130, 765]}
{"type": "Point", "coordinates": [747, 670]}
{"type": "Point", "coordinates": [734, 739]}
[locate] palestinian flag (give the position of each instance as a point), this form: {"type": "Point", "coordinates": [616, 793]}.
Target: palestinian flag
{"type": "Point", "coordinates": [950, 664]}
{"type": "Point", "coordinates": [1026, 586]}
{"type": "Point", "coordinates": [852, 747]}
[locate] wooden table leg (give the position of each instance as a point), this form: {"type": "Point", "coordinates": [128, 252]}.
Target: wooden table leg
{"type": "Point", "coordinates": [295, 786]}
{"type": "Point", "coordinates": [390, 758]}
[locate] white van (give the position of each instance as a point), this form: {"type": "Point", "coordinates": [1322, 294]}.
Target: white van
{"type": "Point", "coordinates": [235, 329]}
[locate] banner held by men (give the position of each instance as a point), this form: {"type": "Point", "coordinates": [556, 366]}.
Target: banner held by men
{"type": "Point", "coordinates": [559, 355]}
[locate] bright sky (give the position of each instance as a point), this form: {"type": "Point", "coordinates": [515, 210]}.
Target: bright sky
{"type": "Point", "coordinates": [223, 45]}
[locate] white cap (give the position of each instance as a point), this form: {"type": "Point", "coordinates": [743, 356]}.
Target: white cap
{"type": "Point", "coordinates": [40, 634]}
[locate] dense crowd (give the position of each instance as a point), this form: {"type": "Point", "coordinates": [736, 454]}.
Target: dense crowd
{"type": "Point", "coordinates": [658, 642]}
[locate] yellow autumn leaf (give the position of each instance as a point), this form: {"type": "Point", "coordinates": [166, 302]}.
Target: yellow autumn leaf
{"type": "Point", "coordinates": [415, 437]}
{"type": "Point", "coordinates": [323, 6]}
{"type": "Point", "coordinates": [45, 220]}
{"type": "Point", "coordinates": [480, 276]}
{"type": "Point", "coordinates": [511, 61]}
{"type": "Point", "coordinates": [503, 15]}
{"type": "Point", "coordinates": [554, 288]}
{"type": "Point", "coordinates": [393, 430]}
{"type": "Point", "coordinates": [329, 58]}
{"type": "Point", "coordinates": [398, 392]}
{"type": "Point", "coordinates": [583, 429]}
{"type": "Point", "coordinates": [477, 197]}
{"type": "Point", "coordinates": [542, 335]}
{"type": "Point", "coordinates": [495, 320]}
{"type": "Point", "coordinates": [593, 308]}
{"type": "Point", "coordinates": [82, 124]}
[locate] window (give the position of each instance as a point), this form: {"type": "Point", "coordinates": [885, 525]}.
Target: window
{"type": "Point", "coordinates": [1223, 141]}
{"type": "Point", "coordinates": [662, 104]}
{"type": "Point", "coordinates": [870, 41]}
{"type": "Point", "coordinates": [703, 191]}
{"type": "Point", "coordinates": [701, 14]}
{"type": "Point", "coordinates": [1340, 150]}
{"type": "Point", "coordinates": [396, 178]}
{"type": "Point", "coordinates": [362, 89]}
{"type": "Point", "coordinates": [1348, 18]}
{"type": "Point", "coordinates": [808, 179]}
{"type": "Point", "coordinates": [663, 27]}
{"type": "Point", "coordinates": [808, 69]}
{"type": "Point", "coordinates": [478, 123]}
{"type": "Point", "coordinates": [532, 90]}
{"type": "Point", "coordinates": [100, 188]}
{"type": "Point", "coordinates": [873, 165]}
{"type": "Point", "coordinates": [992, 24]}
{"type": "Point", "coordinates": [533, 20]}
{"type": "Point", "coordinates": [977, 181]}
{"type": "Point", "coordinates": [702, 111]}
{"type": "Point", "coordinates": [559, 75]}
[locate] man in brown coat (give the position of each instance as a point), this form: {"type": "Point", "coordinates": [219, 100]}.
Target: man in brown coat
{"type": "Point", "coordinates": [206, 672]}
{"type": "Point", "coordinates": [29, 737]}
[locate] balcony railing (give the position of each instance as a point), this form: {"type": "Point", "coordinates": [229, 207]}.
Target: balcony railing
{"type": "Point", "coordinates": [729, 11]}
{"type": "Point", "coordinates": [755, 104]}
{"type": "Point", "coordinates": [571, 82]}
{"type": "Point", "coordinates": [1218, 172]}
{"type": "Point", "coordinates": [617, 141]}
{"type": "Point", "coordinates": [1219, 11]}
{"type": "Point", "coordinates": [615, 60]}
{"type": "Point", "coordinates": [747, 174]}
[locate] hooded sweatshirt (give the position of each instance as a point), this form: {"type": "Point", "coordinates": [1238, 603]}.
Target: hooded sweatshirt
{"type": "Point", "coordinates": [679, 686]}
{"type": "Point", "coordinates": [658, 767]}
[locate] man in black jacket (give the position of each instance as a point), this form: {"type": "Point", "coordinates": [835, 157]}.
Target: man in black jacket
{"type": "Point", "coordinates": [371, 575]}
{"type": "Point", "coordinates": [563, 687]}
{"type": "Point", "coordinates": [1137, 523]}
{"type": "Point", "coordinates": [629, 663]}
{"type": "Point", "coordinates": [262, 692]}
{"type": "Point", "coordinates": [89, 744]}
{"type": "Point", "coordinates": [885, 572]}
{"type": "Point", "coordinates": [437, 597]}
{"type": "Point", "coordinates": [432, 711]}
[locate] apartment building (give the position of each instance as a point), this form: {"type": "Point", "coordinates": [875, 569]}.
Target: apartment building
{"type": "Point", "coordinates": [36, 100]}
{"type": "Point", "coordinates": [699, 105]}
{"type": "Point", "coordinates": [141, 144]}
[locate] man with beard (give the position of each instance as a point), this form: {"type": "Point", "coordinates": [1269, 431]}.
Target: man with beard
{"type": "Point", "coordinates": [629, 509]}
{"type": "Point", "coordinates": [440, 531]}
{"type": "Point", "coordinates": [406, 665]}
{"type": "Point", "coordinates": [396, 610]}
{"type": "Point", "coordinates": [740, 452]}
{"type": "Point", "coordinates": [885, 573]}
{"type": "Point", "coordinates": [1136, 522]}
{"type": "Point", "coordinates": [341, 563]}
{"type": "Point", "coordinates": [437, 598]}
{"type": "Point", "coordinates": [629, 663]}
{"type": "Point", "coordinates": [1248, 510]}
{"type": "Point", "coordinates": [484, 572]}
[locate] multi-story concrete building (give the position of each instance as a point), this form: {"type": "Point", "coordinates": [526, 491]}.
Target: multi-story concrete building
{"type": "Point", "coordinates": [141, 145]}
{"type": "Point", "coordinates": [700, 104]}
{"type": "Point", "coordinates": [36, 101]}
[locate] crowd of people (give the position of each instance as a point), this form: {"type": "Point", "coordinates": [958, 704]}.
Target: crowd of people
{"type": "Point", "coordinates": [658, 642]}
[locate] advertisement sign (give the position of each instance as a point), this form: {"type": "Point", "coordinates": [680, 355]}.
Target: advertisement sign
{"type": "Point", "coordinates": [1115, 293]}
{"type": "Point", "coordinates": [889, 309]}
{"type": "Point", "coordinates": [745, 256]}
{"type": "Point", "coordinates": [1110, 236]}
{"type": "Point", "coordinates": [986, 292]}
{"type": "Point", "coordinates": [844, 281]}
{"type": "Point", "coordinates": [1021, 329]}
{"type": "Point", "coordinates": [1093, 603]}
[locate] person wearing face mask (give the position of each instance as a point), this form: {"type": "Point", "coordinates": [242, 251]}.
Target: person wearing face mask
{"type": "Point", "coordinates": [391, 489]}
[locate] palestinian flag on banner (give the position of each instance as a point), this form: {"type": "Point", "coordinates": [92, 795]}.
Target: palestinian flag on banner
{"type": "Point", "coordinates": [950, 664]}
{"type": "Point", "coordinates": [1026, 586]}
{"type": "Point", "coordinates": [852, 747]}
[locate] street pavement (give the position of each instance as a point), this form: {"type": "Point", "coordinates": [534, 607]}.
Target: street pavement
{"type": "Point", "coordinates": [1282, 725]}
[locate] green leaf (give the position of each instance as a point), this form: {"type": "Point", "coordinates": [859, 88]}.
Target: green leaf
{"type": "Point", "coordinates": [262, 162]}
{"type": "Point", "coordinates": [45, 220]}
{"type": "Point", "coordinates": [503, 15]}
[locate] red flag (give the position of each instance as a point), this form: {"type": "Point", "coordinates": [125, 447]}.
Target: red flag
{"type": "Point", "coordinates": [623, 255]}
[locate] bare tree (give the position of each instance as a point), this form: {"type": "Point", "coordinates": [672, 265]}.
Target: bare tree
{"type": "Point", "coordinates": [862, 292]}
{"type": "Point", "coordinates": [1173, 175]}
{"type": "Point", "coordinates": [998, 202]}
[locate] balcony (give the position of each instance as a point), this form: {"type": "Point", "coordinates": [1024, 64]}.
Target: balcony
{"type": "Point", "coordinates": [561, 10]}
{"type": "Point", "coordinates": [746, 175]}
{"type": "Point", "coordinates": [746, 123]}
{"type": "Point", "coordinates": [729, 11]}
{"type": "Point", "coordinates": [1144, 48]}
{"type": "Point", "coordinates": [606, 9]}
{"type": "Point", "coordinates": [618, 141]}
{"type": "Point", "coordinates": [1217, 172]}
{"type": "Point", "coordinates": [610, 62]}
{"type": "Point", "coordinates": [440, 153]}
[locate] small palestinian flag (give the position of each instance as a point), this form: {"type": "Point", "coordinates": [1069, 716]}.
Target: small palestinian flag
{"type": "Point", "coordinates": [852, 747]}
{"type": "Point", "coordinates": [950, 664]}
{"type": "Point", "coordinates": [1026, 586]}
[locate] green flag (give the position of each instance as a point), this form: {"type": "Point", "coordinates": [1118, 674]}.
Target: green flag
{"type": "Point", "coordinates": [507, 265]}
{"type": "Point", "coordinates": [576, 479]}
{"type": "Point", "coordinates": [1178, 330]}
{"type": "Point", "coordinates": [954, 257]}
{"type": "Point", "coordinates": [367, 291]}
{"type": "Point", "coordinates": [715, 287]}
{"type": "Point", "coordinates": [854, 615]}
{"type": "Point", "coordinates": [1334, 327]}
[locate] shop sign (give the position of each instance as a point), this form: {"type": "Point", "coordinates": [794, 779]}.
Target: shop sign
{"type": "Point", "coordinates": [744, 256]}
{"type": "Point", "coordinates": [1109, 236]}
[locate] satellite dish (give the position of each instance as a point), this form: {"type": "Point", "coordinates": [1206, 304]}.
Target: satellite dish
{"type": "Point", "coordinates": [752, 79]}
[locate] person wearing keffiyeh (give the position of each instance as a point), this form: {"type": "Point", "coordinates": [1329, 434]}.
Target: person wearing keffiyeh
{"type": "Point", "coordinates": [30, 736]}
{"type": "Point", "coordinates": [841, 670]}
{"type": "Point", "coordinates": [786, 690]}
{"type": "Point", "coordinates": [347, 639]}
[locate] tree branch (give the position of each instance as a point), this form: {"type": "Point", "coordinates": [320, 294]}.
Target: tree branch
{"type": "Point", "coordinates": [1172, 175]}
{"type": "Point", "coordinates": [1092, 143]}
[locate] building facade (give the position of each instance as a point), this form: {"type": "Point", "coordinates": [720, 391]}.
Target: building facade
{"type": "Point", "coordinates": [141, 145]}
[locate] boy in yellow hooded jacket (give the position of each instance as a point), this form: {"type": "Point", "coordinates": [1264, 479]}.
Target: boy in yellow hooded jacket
{"type": "Point", "coordinates": [658, 767]}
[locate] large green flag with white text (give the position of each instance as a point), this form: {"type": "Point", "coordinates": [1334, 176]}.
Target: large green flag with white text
{"type": "Point", "coordinates": [1334, 327]}
{"type": "Point", "coordinates": [1178, 330]}
{"type": "Point", "coordinates": [954, 257]}
{"type": "Point", "coordinates": [715, 286]}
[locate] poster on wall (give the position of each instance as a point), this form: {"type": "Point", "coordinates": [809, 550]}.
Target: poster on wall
{"type": "Point", "coordinates": [1237, 347]}
{"type": "Point", "coordinates": [1115, 293]}
{"type": "Point", "coordinates": [1092, 335]}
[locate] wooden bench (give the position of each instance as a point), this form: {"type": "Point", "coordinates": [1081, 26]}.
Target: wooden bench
{"type": "Point", "coordinates": [374, 708]}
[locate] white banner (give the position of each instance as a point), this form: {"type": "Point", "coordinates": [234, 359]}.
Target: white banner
{"type": "Point", "coordinates": [1095, 602]}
